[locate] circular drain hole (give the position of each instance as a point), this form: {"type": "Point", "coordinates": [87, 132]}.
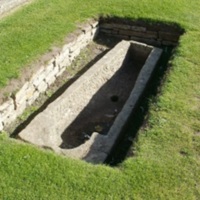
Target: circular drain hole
{"type": "Point", "coordinates": [114, 98]}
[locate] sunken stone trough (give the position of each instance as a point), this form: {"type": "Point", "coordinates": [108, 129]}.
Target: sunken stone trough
{"type": "Point", "coordinates": [86, 120]}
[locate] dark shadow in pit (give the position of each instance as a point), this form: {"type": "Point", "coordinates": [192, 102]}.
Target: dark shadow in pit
{"type": "Point", "coordinates": [104, 106]}
{"type": "Point", "coordinates": [102, 40]}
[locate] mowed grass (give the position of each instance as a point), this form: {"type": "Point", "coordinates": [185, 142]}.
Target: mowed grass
{"type": "Point", "coordinates": [166, 164]}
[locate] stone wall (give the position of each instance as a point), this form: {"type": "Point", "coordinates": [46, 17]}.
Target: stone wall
{"type": "Point", "coordinates": [46, 75]}
{"type": "Point", "coordinates": [152, 34]}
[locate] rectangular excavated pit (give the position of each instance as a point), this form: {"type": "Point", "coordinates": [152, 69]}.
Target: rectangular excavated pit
{"type": "Point", "coordinates": [86, 120]}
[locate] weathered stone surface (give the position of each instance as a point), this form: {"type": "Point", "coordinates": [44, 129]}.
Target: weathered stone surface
{"type": "Point", "coordinates": [6, 110]}
{"type": "Point", "coordinates": [147, 34]}
{"type": "Point", "coordinates": [49, 68]}
{"type": "Point", "coordinates": [86, 28]}
{"type": "Point", "coordinates": [106, 26]}
{"type": "Point", "coordinates": [168, 36]}
{"type": "Point", "coordinates": [81, 37]}
{"type": "Point", "coordinates": [38, 79]}
{"type": "Point", "coordinates": [34, 96]}
{"type": "Point", "coordinates": [21, 106]}
{"type": "Point", "coordinates": [64, 59]}
{"type": "Point", "coordinates": [74, 54]}
{"type": "Point", "coordinates": [94, 24]}
{"type": "Point", "coordinates": [83, 151]}
{"type": "Point", "coordinates": [61, 70]}
{"type": "Point", "coordinates": [95, 32]}
{"type": "Point", "coordinates": [30, 91]}
{"type": "Point", "coordinates": [139, 28]}
{"type": "Point", "coordinates": [7, 106]}
{"type": "Point", "coordinates": [10, 117]}
{"type": "Point", "coordinates": [42, 87]}
{"type": "Point", "coordinates": [47, 127]}
{"type": "Point", "coordinates": [115, 26]}
{"type": "Point", "coordinates": [125, 37]}
{"type": "Point", "coordinates": [20, 96]}
{"type": "Point", "coordinates": [147, 40]}
{"type": "Point", "coordinates": [50, 78]}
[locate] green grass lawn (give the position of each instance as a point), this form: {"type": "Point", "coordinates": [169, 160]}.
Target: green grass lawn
{"type": "Point", "coordinates": [166, 164]}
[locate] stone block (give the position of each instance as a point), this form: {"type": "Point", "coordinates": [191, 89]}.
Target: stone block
{"type": "Point", "coordinates": [66, 62]}
{"type": "Point", "coordinates": [87, 28]}
{"type": "Point", "coordinates": [66, 47]}
{"type": "Point", "coordinates": [147, 34]}
{"type": "Point", "coordinates": [56, 69]}
{"type": "Point", "coordinates": [74, 54]}
{"type": "Point", "coordinates": [125, 37]}
{"type": "Point", "coordinates": [6, 109]}
{"type": "Point", "coordinates": [6, 106]}
{"type": "Point", "coordinates": [138, 28]}
{"type": "Point", "coordinates": [21, 107]}
{"type": "Point", "coordinates": [49, 68]}
{"type": "Point", "coordinates": [94, 24]}
{"type": "Point", "coordinates": [74, 47]}
{"type": "Point", "coordinates": [50, 78]}
{"type": "Point", "coordinates": [146, 40]}
{"type": "Point", "coordinates": [122, 26]}
{"type": "Point", "coordinates": [30, 91]}
{"type": "Point", "coordinates": [88, 36]}
{"type": "Point", "coordinates": [10, 118]}
{"type": "Point", "coordinates": [63, 60]}
{"type": "Point", "coordinates": [80, 37]}
{"type": "Point", "coordinates": [106, 26]}
{"type": "Point", "coordinates": [61, 71]}
{"type": "Point", "coordinates": [38, 78]}
{"type": "Point", "coordinates": [21, 94]}
{"type": "Point", "coordinates": [94, 32]}
{"type": "Point", "coordinates": [31, 100]}
{"type": "Point", "coordinates": [168, 36]}
{"type": "Point", "coordinates": [42, 87]}
{"type": "Point", "coordinates": [36, 74]}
